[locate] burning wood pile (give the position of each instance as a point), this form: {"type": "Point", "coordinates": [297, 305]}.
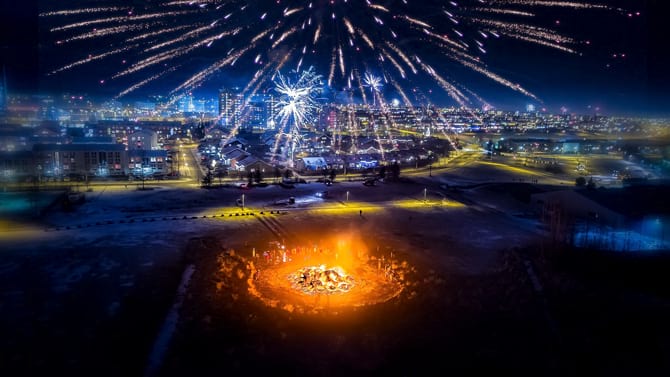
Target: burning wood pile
{"type": "Point", "coordinates": [319, 279]}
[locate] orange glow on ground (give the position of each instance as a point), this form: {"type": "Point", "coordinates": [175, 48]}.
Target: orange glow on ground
{"type": "Point", "coordinates": [276, 277]}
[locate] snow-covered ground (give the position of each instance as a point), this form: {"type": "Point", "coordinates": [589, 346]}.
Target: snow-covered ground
{"type": "Point", "coordinates": [121, 253]}
{"type": "Point", "coordinates": [111, 228]}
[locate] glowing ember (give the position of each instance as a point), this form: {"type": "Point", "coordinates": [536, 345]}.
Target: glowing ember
{"type": "Point", "coordinates": [321, 280]}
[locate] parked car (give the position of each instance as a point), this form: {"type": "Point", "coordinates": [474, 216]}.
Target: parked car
{"type": "Point", "coordinates": [370, 182]}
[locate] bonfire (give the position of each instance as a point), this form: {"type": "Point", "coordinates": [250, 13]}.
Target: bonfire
{"type": "Point", "coordinates": [320, 279]}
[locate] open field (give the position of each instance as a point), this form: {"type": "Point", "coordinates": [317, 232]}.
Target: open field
{"type": "Point", "coordinates": [87, 292]}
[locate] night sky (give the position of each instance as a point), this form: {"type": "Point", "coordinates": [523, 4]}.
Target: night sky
{"type": "Point", "coordinates": [636, 84]}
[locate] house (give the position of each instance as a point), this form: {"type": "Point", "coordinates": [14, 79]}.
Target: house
{"type": "Point", "coordinates": [232, 155]}
{"type": "Point", "coordinates": [253, 164]}
{"type": "Point", "coordinates": [335, 161]}
{"type": "Point", "coordinates": [268, 137]}
{"type": "Point", "coordinates": [216, 133]}
{"type": "Point", "coordinates": [237, 142]}
{"type": "Point", "coordinates": [370, 146]}
{"type": "Point", "coordinates": [365, 162]}
{"type": "Point", "coordinates": [311, 164]}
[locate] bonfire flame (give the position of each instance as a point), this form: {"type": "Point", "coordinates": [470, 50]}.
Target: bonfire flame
{"type": "Point", "coordinates": [319, 279]}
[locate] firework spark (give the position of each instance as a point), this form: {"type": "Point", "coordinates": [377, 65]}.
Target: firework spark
{"type": "Point", "coordinates": [339, 37]}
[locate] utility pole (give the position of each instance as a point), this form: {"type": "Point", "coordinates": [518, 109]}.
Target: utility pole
{"type": "Point", "coordinates": [179, 159]}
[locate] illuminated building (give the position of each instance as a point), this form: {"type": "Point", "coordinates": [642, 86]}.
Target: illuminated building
{"type": "Point", "coordinates": [143, 139]}
{"type": "Point", "coordinates": [259, 112]}
{"type": "Point", "coordinates": [231, 103]}
{"type": "Point", "coordinates": [55, 160]}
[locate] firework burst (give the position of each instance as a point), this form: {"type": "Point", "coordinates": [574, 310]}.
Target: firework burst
{"type": "Point", "coordinates": [297, 106]}
{"type": "Point", "coordinates": [397, 38]}
{"type": "Point", "coordinates": [375, 85]}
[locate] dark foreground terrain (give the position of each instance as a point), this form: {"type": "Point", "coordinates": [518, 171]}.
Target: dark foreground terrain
{"type": "Point", "coordinates": [496, 322]}
{"type": "Point", "coordinates": [487, 294]}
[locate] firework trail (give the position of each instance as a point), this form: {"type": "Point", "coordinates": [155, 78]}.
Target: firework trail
{"type": "Point", "coordinates": [339, 37]}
